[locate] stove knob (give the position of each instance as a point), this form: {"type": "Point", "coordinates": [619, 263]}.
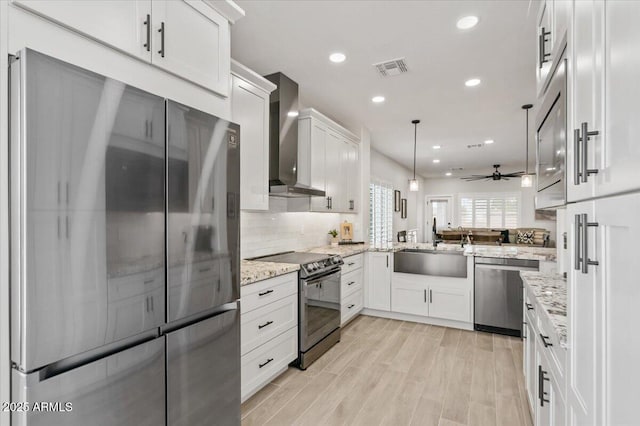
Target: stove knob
{"type": "Point", "coordinates": [310, 267]}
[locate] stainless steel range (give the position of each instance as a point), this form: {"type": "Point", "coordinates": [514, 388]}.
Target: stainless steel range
{"type": "Point", "coordinates": [319, 302]}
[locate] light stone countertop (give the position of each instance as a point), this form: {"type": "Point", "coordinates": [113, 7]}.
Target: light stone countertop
{"type": "Point", "coordinates": [546, 254]}
{"type": "Point", "coordinates": [252, 271]}
{"type": "Point", "coordinates": [551, 291]}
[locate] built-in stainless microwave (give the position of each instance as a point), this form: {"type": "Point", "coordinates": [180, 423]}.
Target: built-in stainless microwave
{"type": "Point", "coordinates": [551, 141]}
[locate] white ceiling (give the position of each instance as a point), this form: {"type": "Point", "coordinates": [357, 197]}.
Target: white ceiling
{"type": "Point", "coordinates": [296, 37]}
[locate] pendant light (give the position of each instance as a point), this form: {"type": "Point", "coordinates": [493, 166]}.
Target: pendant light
{"type": "Point", "coordinates": [413, 183]}
{"type": "Point", "coordinates": [527, 179]}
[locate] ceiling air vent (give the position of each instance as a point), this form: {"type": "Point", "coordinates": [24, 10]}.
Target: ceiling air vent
{"type": "Point", "coordinates": [392, 67]}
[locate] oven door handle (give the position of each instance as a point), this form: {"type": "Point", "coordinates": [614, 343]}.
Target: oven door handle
{"type": "Point", "coordinates": [321, 278]}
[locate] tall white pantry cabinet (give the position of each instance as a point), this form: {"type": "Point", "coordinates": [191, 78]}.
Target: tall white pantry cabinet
{"type": "Point", "coordinates": [603, 213]}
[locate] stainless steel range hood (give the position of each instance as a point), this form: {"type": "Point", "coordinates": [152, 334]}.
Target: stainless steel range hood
{"type": "Point", "coordinates": [283, 141]}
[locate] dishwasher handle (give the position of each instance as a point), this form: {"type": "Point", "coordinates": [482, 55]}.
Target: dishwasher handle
{"type": "Point", "coordinates": [505, 267]}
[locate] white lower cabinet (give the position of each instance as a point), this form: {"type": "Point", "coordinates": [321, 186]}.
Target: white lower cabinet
{"type": "Point", "coordinates": [351, 289]}
{"type": "Point", "coordinates": [418, 295]}
{"type": "Point", "coordinates": [268, 330]}
{"type": "Point", "coordinates": [378, 282]}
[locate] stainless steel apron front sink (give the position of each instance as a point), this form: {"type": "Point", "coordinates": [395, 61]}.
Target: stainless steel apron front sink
{"type": "Point", "coordinates": [440, 263]}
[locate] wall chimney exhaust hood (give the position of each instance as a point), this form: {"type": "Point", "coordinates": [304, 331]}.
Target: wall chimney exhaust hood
{"type": "Point", "coordinates": [283, 141]}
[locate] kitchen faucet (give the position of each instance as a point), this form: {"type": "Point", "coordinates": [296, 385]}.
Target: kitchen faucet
{"type": "Point", "coordinates": [435, 235]}
{"type": "Point", "coordinates": [460, 228]}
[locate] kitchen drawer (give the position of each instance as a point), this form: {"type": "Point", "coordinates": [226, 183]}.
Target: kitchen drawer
{"type": "Point", "coordinates": [351, 306]}
{"type": "Point", "coordinates": [259, 366]}
{"type": "Point", "coordinates": [258, 294]}
{"type": "Point", "coordinates": [352, 263]}
{"type": "Point", "coordinates": [133, 285]}
{"type": "Point", "coordinates": [555, 353]}
{"type": "Point", "coordinates": [262, 324]}
{"type": "Point", "coordinates": [351, 282]}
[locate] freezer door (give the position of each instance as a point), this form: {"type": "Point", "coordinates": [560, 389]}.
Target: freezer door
{"type": "Point", "coordinates": [127, 388]}
{"type": "Point", "coordinates": [203, 372]}
{"type": "Point", "coordinates": [203, 211]}
{"type": "Point", "coordinates": [87, 200]}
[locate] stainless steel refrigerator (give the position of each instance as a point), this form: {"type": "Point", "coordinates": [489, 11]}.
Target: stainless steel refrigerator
{"type": "Point", "coordinates": [124, 253]}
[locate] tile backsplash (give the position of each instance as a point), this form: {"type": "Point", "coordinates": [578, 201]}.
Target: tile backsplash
{"type": "Point", "coordinates": [264, 233]}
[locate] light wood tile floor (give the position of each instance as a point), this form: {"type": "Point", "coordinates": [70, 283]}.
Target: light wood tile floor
{"type": "Point", "coordinates": [387, 372]}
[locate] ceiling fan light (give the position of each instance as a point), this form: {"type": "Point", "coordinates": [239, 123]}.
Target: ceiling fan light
{"type": "Point", "coordinates": [414, 185]}
{"type": "Point", "coordinates": [526, 181]}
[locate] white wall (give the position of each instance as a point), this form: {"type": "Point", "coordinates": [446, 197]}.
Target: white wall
{"type": "Point", "coordinates": [455, 186]}
{"type": "Point", "coordinates": [387, 170]}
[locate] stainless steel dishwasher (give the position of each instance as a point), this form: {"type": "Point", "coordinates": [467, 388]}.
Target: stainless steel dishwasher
{"type": "Point", "coordinates": [498, 294]}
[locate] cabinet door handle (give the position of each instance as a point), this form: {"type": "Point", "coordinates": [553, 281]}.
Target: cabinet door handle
{"type": "Point", "coordinates": [576, 157]}
{"type": "Point", "coordinates": [425, 295]}
{"type": "Point", "coordinates": [387, 261]}
{"type": "Point", "coordinates": [585, 244]}
{"type": "Point", "coordinates": [542, 40]}
{"type": "Point", "coordinates": [58, 227]}
{"type": "Point", "coordinates": [161, 31]}
{"type": "Point", "coordinates": [577, 245]}
{"type": "Point", "coordinates": [328, 203]}
{"type": "Point", "coordinates": [58, 192]}
{"type": "Point", "coordinates": [529, 307]}
{"type": "Point", "coordinates": [146, 304]}
{"type": "Point", "coordinates": [331, 203]}
{"type": "Point", "coordinates": [261, 326]}
{"type": "Point", "coordinates": [264, 293]}
{"type": "Point", "coordinates": [265, 363]}
{"type": "Point", "coordinates": [586, 134]}
{"type": "Point", "coordinates": [350, 306]}
{"type": "Point", "coordinates": [351, 283]}
{"type": "Point", "coordinates": [544, 340]}
{"type": "Point", "coordinates": [150, 129]}
{"type": "Point", "coordinates": [151, 303]}
{"type": "Point", "coordinates": [541, 379]}
{"type": "Point", "coordinates": [66, 226]}
{"type": "Point", "coordinates": [147, 22]}
{"type": "Point", "coordinates": [430, 296]}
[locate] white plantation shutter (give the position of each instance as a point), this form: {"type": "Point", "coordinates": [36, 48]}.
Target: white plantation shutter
{"type": "Point", "coordinates": [496, 210]}
{"type": "Point", "coordinates": [380, 213]}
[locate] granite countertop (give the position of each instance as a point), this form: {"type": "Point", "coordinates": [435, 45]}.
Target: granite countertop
{"type": "Point", "coordinates": [252, 271]}
{"type": "Point", "coordinates": [551, 291]}
{"type": "Point", "coordinates": [546, 254]}
{"type": "Point", "coordinates": [344, 250]}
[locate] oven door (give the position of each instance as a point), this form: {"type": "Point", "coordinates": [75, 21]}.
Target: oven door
{"type": "Point", "coordinates": [551, 138]}
{"type": "Point", "coordinates": [319, 308]}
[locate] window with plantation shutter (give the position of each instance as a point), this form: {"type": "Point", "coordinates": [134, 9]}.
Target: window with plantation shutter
{"type": "Point", "coordinates": [380, 213]}
{"type": "Point", "coordinates": [494, 210]}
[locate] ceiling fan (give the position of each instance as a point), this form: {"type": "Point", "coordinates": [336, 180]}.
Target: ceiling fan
{"type": "Point", "coordinates": [495, 176]}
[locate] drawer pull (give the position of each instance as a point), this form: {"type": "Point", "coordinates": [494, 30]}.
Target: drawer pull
{"type": "Point", "coordinates": [529, 306]}
{"type": "Point", "coordinates": [264, 293]}
{"type": "Point", "coordinates": [261, 326]}
{"type": "Point", "coordinates": [351, 263]}
{"type": "Point", "coordinates": [351, 306]}
{"type": "Point", "coordinates": [265, 363]}
{"type": "Point", "coordinates": [149, 281]}
{"type": "Point", "coordinates": [204, 269]}
{"type": "Point", "coordinates": [544, 341]}
{"type": "Point", "coordinates": [351, 283]}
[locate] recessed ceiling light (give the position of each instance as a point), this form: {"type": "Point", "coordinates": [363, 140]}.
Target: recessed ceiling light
{"type": "Point", "coordinates": [377, 99]}
{"type": "Point", "coordinates": [436, 147]}
{"type": "Point", "coordinates": [467, 22]}
{"type": "Point", "coordinates": [472, 82]}
{"type": "Point", "coordinates": [448, 174]}
{"type": "Point", "coordinates": [337, 57]}
{"type": "Point", "coordinates": [436, 161]}
{"type": "Point", "coordinates": [488, 141]}
{"type": "Point", "coordinates": [292, 113]}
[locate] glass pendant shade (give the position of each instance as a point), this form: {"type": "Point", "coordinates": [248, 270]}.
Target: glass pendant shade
{"type": "Point", "coordinates": [526, 181]}
{"type": "Point", "coordinates": [413, 185]}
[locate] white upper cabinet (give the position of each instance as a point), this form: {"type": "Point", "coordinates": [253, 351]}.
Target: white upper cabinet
{"type": "Point", "coordinates": [587, 97]}
{"type": "Point", "coordinates": [606, 39]}
{"type": "Point", "coordinates": [250, 109]}
{"type": "Point", "coordinates": [185, 37]}
{"type": "Point", "coordinates": [553, 21]}
{"type": "Point", "coordinates": [335, 162]}
{"type": "Point", "coordinates": [191, 40]}
{"type": "Point", "coordinates": [619, 155]}
{"type": "Point", "coordinates": [124, 25]}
